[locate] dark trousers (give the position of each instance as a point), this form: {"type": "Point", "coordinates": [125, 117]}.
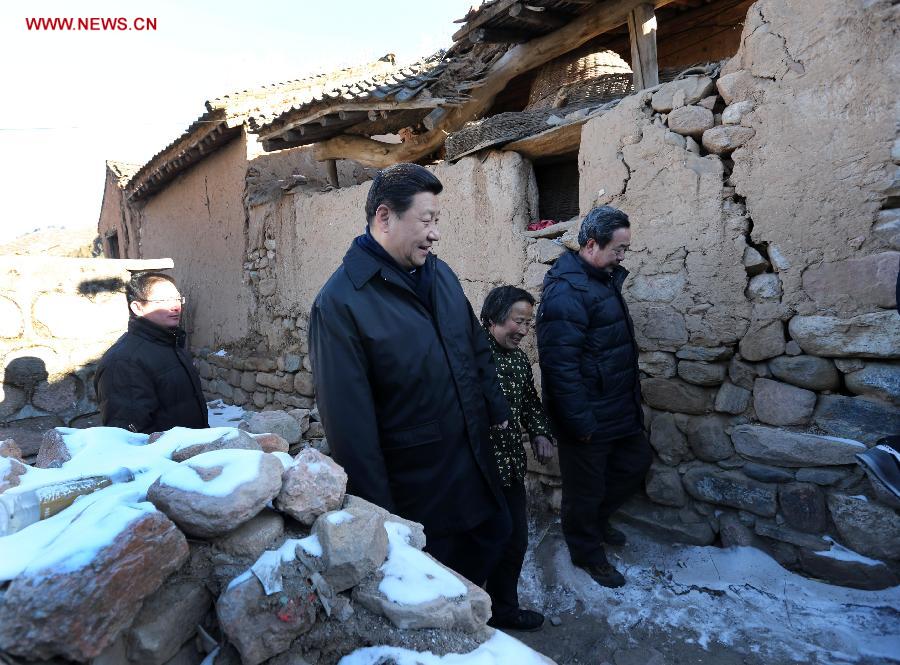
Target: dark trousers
{"type": "Point", "coordinates": [502, 583]}
{"type": "Point", "coordinates": [597, 478]}
{"type": "Point", "coordinates": [473, 553]}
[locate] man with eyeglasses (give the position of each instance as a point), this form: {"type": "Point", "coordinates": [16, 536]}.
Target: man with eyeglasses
{"type": "Point", "coordinates": [592, 393]}
{"type": "Point", "coordinates": [146, 381]}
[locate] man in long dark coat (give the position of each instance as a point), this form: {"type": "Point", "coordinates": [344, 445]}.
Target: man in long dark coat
{"type": "Point", "coordinates": [405, 383]}
{"type": "Point", "coordinates": [591, 386]}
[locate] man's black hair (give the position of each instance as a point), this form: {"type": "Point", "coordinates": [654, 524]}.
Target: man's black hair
{"type": "Point", "coordinates": [600, 224]}
{"type": "Point", "coordinates": [396, 186]}
{"type": "Point", "coordinates": [500, 300]}
{"type": "Point", "coordinates": [138, 287]}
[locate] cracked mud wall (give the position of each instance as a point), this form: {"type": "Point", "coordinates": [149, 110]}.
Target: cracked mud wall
{"type": "Point", "coordinates": [199, 222]}
{"type": "Point", "coordinates": [823, 79]}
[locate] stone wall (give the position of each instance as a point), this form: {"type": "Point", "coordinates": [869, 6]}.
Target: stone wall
{"type": "Point", "coordinates": [765, 236]}
{"type": "Point", "coordinates": [57, 317]}
{"type": "Point", "coordinates": [762, 286]}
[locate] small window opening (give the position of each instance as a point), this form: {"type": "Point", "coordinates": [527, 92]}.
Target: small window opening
{"type": "Point", "coordinates": [557, 183]}
{"type": "Point", "coordinates": [112, 246]}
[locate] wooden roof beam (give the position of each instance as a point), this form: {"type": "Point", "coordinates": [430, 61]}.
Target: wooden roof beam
{"type": "Point", "coordinates": [541, 20]}
{"type": "Point", "coordinates": [642, 34]}
{"type": "Point", "coordinates": [499, 36]}
{"type": "Point", "coordinates": [517, 60]}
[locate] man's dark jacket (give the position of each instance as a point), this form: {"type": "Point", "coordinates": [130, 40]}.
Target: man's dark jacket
{"type": "Point", "coordinates": [407, 397]}
{"type": "Point", "coordinates": [588, 355]}
{"type": "Point", "coordinates": [146, 382]}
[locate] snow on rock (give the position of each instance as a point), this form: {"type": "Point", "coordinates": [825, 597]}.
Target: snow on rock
{"type": "Point", "coordinates": [56, 607]}
{"type": "Point", "coordinates": [739, 597]}
{"type": "Point", "coordinates": [217, 491]}
{"type": "Point", "coordinates": [413, 590]}
{"type": "Point", "coordinates": [187, 443]}
{"type": "Point", "coordinates": [500, 649]}
{"type": "Point", "coordinates": [277, 422]}
{"type": "Point", "coordinates": [314, 485]}
{"type": "Point", "coordinates": [11, 470]}
{"type": "Point", "coordinates": [352, 549]}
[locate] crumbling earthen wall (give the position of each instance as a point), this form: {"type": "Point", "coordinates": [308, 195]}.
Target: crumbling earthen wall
{"type": "Point", "coordinates": [113, 220]}
{"type": "Point", "coordinates": [762, 285]}
{"type": "Point", "coordinates": [199, 221]}
{"type": "Point", "coordinates": [47, 353]}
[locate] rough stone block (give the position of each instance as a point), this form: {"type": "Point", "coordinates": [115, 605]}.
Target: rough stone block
{"type": "Point", "coordinates": [534, 275]}
{"type": "Point", "coordinates": [545, 251]}
{"type": "Point", "coordinates": [764, 287]}
{"type": "Point", "coordinates": [731, 488]}
{"type": "Point", "coordinates": [874, 335]}
{"type": "Point", "coordinates": [690, 89]}
{"type": "Point", "coordinates": [771, 445]}
{"type": "Point", "coordinates": [880, 380]}
{"type": "Point", "coordinates": [269, 380]}
{"type": "Point", "coordinates": [766, 474]}
{"type": "Point", "coordinates": [352, 548]}
{"type": "Point", "coordinates": [675, 395]}
{"type": "Point", "coordinates": [803, 507]}
{"type": "Point", "coordinates": [304, 384]}
{"type": "Point", "coordinates": [771, 529]}
{"type": "Point", "coordinates": [732, 399]}
{"type": "Point", "coordinates": [733, 114]}
{"type": "Point", "coordinates": [668, 441]}
{"type": "Point", "coordinates": [167, 620]}
{"type": "Point", "coordinates": [887, 227]}
{"type": "Point", "coordinates": [807, 372]}
{"type": "Point", "coordinates": [663, 486]}
{"type": "Point", "coordinates": [666, 522]}
{"type": "Point", "coordinates": [702, 373]}
{"type": "Point", "coordinates": [763, 340]}
{"type": "Point", "coordinates": [735, 534]}
{"type": "Point", "coordinates": [10, 319]}
{"type": "Point", "coordinates": [822, 475]}
{"type": "Point", "coordinates": [856, 417]}
{"type": "Point", "coordinates": [707, 437]}
{"type": "Point", "coordinates": [866, 526]}
{"type": "Point", "coordinates": [736, 86]}
{"type": "Point", "coordinates": [704, 353]}
{"type": "Point", "coordinates": [847, 572]}
{"type": "Point", "coordinates": [253, 537]}
{"type": "Point", "coordinates": [657, 363]}
{"type": "Point", "coordinates": [314, 485]}
{"type": "Point", "coordinates": [690, 120]}
{"type": "Point", "coordinates": [277, 422]}
{"type": "Point", "coordinates": [725, 139]}
{"type": "Point", "coordinates": [782, 404]}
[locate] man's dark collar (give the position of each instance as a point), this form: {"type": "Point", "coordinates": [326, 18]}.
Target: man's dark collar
{"type": "Point", "coordinates": [142, 327]}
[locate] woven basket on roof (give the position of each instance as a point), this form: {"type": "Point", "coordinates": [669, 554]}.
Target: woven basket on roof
{"type": "Point", "coordinates": [578, 66]}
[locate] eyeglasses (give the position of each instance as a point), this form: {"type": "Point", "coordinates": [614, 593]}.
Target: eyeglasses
{"type": "Point", "coordinates": [619, 251]}
{"type": "Point", "coordinates": [171, 301]}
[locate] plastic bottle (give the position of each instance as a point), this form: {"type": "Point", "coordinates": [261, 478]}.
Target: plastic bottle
{"type": "Point", "coordinates": [21, 509]}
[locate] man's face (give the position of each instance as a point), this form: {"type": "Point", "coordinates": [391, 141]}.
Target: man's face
{"type": "Point", "coordinates": [408, 237]}
{"type": "Point", "coordinates": [511, 332]}
{"type": "Point", "coordinates": [608, 257]}
{"type": "Point", "coordinates": [163, 305]}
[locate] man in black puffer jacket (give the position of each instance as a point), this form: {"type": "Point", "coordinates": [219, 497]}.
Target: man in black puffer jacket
{"type": "Point", "coordinates": [591, 387]}
{"type": "Point", "coordinates": [146, 382]}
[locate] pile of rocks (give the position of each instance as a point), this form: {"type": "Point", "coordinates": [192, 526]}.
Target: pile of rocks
{"type": "Point", "coordinates": [245, 550]}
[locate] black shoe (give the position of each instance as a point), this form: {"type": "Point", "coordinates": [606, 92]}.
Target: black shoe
{"type": "Point", "coordinates": [613, 536]}
{"type": "Point", "coordinates": [524, 620]}
{"type": "Point", "coordinates": [604, 574]}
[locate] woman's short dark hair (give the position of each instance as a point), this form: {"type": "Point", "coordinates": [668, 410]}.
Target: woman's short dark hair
{"type": "Point", "coordinates": [396, 186]}
{"type": "Point", "coordinates": [600, 224]}
{"type": "Point", "coordinates": [138, 287]}
{"type": "Point", "coordinates": [500, 300]}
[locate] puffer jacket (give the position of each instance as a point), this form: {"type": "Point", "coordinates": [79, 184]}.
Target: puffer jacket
{"type": "Point", "coordinates": [146, 382]}
{"type": "Point", "coordinates": [588, 354]}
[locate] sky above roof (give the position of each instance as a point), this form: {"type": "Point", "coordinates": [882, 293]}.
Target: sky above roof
{"type": "Point", "coordinates": [75, 98]}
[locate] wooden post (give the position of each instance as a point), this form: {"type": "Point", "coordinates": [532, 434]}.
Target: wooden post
{"type": "Point", "coordinates": [331, 170]}
{"type": "Point", "coordinates": [642, 30]}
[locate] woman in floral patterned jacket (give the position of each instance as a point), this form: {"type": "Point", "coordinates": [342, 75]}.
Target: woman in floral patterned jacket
{"type": "Point", "coordinates": [507, 316]}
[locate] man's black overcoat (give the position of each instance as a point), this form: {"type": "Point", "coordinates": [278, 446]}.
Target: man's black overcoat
{"type": "Point", "coordinates": [588, 354]}
{"type": "Point", "coordinates": [146, 381]}
{"type": "Point", "coordinates": [407, 397]}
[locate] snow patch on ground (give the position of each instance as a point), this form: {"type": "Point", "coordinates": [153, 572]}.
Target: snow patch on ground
{"type": "Point", "coordinates": [221, 414]}
{"type": "Point", "coordinates": [500, 649]}
{"type": "Point", "coordinates": [338, 517]}
{"type": "Point", "coordinates": [739, 597]}
{"type": "Point", "coordinates": [410, 576]}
